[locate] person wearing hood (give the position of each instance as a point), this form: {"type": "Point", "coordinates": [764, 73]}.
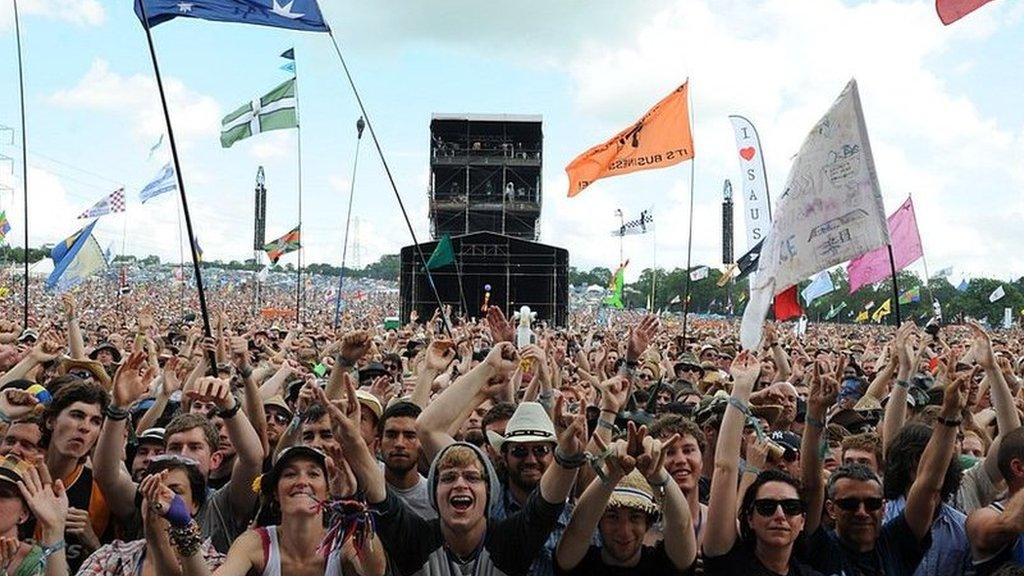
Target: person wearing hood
{"type": "Point", "coordinates": [464, 489]}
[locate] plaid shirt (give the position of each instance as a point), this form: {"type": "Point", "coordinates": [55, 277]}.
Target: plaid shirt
{"type": "Point", "coordinates": [122, 558]}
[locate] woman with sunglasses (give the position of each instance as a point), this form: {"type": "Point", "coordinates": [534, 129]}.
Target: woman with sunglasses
{"type": "Point", "coordinates": [771, 515]}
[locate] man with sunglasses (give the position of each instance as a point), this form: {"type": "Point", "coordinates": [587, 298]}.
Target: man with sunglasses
{"type": "Point", "coordinates": [861, 543]}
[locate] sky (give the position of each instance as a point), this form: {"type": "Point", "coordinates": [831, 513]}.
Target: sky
{"type": "Point", "coordinates": [942, 107]}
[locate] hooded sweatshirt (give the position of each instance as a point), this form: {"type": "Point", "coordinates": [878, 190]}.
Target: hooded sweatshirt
{"type": "Point", "coordinates": [416, 547]}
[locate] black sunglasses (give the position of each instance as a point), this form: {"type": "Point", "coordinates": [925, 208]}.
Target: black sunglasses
{"type": "Point", "coordinates": [766, 507]}
{"type": "Point", "coordinates": [539, 451]}
{"type": "Point", "coordinates": [278, 417]}
{"type": "Point", "coordinates": [852, 504]}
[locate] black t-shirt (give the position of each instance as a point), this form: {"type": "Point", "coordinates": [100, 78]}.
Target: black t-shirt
{"type": "Point", "coordinates": [742, 560]}
{"type": "Point", "coordinates": [654, 561]}
{"type": "Point", "coordinates": [897, 552]}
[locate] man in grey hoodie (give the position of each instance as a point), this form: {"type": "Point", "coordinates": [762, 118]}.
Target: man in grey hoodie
{"type": "Point", "coordinates": [464, 487]}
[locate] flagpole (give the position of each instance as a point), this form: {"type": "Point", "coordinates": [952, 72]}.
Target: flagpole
{"type": "Point", "coordinates": [298, 139]}
{"type": "Point", "coordinates": [24, 160]}
{"type": "Point", "coordinates": [391, 180]}
{"type": "Point", "coordinates": [211, 359]}
{"type": "Point", "coordinates": [348, 220]}
{"type": "Point", "coordinates": [895, 286]}
{"type": "Point", "coordinates": [924, 259]}
{"type": "Point", "coordinates": [689, 237]}
{"type": "Point", "coordinates": [458, 276]}
{"type": "Point", "coordinates": [654, 257]}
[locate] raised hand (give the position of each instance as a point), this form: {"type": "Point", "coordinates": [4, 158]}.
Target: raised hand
{"type": "Point", "coordinates": [501, 330]}
{"type": "Point", "coordinates": [503, 358]}
{"type": "Point", "coordinates": [954, 396]}
{"type": "Point", "coordinates": [745, 369]}
{"type": "Point", "coordinates": [651, 463]}
{"type": "Point", "coordinates": [341, 479]}
{"type": "Point", "coordinates": [130, 381]}
{"type": "Point", "coordinates": [383, 388]}
{"type": "Point", "coordinates": [47, 348]}
{"type": "Point", "coordinates": [47, 500]}
{"type": "Point", "coordinates": [571, 429]}
{"type": "Point", "coordinates": [172, 381]}
{"type": "Point", "coordinates": [355, 345]}
{"type": "Point", "coordinates": [614, 393]}
{"type": "Point", "coordinates": [439, 355]}
{"type": "Point", "coordinates": [156, 496]}
{"type": "Point", "coordinates": [640, 337]}
{"type": "Point", "coordinates": [824, 391]}
{"type": "Point", "coordinates": [345, 414]}
{"type": "Point", "coordinates": [617, 462]}
{"type": "Point", "coordinates": [70, 305]}
{"type": "Point", "coordinates": [18, 404]}
{"type": "Point", "coordinates": [982, 346]}
{"type": "Point", "coordinates": [215, 390]}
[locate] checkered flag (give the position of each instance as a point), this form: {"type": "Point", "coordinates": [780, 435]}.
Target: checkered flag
{"type": "Point", "coordinates": [642, 225]}
{"type": "Point", "coordinates": [112, 203]}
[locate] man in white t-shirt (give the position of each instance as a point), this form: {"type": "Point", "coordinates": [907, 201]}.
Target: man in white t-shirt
{"type": "Point", "coordinates": [400, 452]}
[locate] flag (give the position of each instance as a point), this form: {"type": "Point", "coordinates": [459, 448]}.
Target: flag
{"type": "Point", "coordinates": [75, 258]}
{"type": "Point", "coordinates": [699, 273]}
{"type": "Point", "coordinates": [292, 14]}
{"type": "Point", "coordinates": [749, 261]}
{"type": "Point", "coordinates": [862, 317]}
{"type": "Point", "coordinates": [944, 273]}
{"type": "Point", "coordinates": [289, 67]}
{"type": "Point", "coordinates": [786, 305]}
{"type": "Point", "coordinates": [443, 254]}
{"type": "Point", "coordinates": [912, 295]}
{"type": "Point", "coordinates": [164, 182]}
{"type": "Point", "coordinates": [964, 284]}
{"type": "Point", "coordinates": [288, 54]}
{"type": "Point", "coordinates": [660, 138]}
{"type": "Point", "coordinates": [274, 111]}
{"type": "Point", "coordinates": [290, 242]}
{"type": "Point", "coordinates": [833, 312]}
{"type": "Point", "coordinates": [952, 10]}
{"type": "Point", "coordinates": [820, 286]}
{"type": "Point", "coordinates": [642, 225]}
{"type": "Point", "coordinates": [675, 300]}
{"type": "Point", "coordinates": [757, 209]}
{"type": "Point", "coordinates": [884, 310]}
{"type": "Point", "coordinates": [615, 298]}
{"type": "Point", "coordinates": [5, 226]}
{"type": "Point", "coordinates": [114, 202]}
{"type": "Point", "coordinates": [829, 212]}
{"type": "Point", "coordinates": [997, 294]}
{"type": "Point", "coordinates": [155, 147]}
{"type": "Point", "coordinates": [906, 248]}
{"type": "Point", "coordinates": [199, 249]}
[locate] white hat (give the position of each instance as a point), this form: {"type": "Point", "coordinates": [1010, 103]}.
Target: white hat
{"type": "Point", "coordinates": [529, 423]}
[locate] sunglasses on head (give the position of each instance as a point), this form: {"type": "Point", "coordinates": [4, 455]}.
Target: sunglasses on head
{"type": "Point", "coordinates": [767, 506]}
{"type": "Point", "coordinates": [853, 504]}
{"type": "Point", "coordinates": [539, 451]}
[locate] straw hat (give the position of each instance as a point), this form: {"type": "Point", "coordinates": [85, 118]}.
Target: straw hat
{"type": "Point", "coordinates": [634, 492]}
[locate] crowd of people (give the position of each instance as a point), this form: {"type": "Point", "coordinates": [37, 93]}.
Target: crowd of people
{"type": "Point", "coordinates": [132, 443]}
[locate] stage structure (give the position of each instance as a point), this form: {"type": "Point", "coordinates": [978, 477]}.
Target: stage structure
{"type": "Point", "coordinates": [519, 272]}
{"type": "Point", "coordinates": [485, 174]}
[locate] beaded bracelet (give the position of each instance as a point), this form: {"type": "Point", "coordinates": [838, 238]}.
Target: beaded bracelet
{"type": "Point", "coordinates": [186, 539]}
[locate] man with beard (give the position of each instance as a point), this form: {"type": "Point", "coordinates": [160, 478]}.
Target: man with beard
{"type": "Point", "coordinates": [149, 445]}
{"type": "Point", "coordinates": [400, 450]}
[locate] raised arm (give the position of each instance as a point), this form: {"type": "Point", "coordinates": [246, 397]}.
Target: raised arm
{"type": "Point", "coordinates": [433, 424]}
{"type": "Point", "coordinates": [896, 410]}
{"type": "Point", "coordinates": [75, 341]}
{"type": "Point", "coordinates": [438, 356]}
{"type": "Point", "coordinates": [720, 533]}
{"type": "Point", "coordinates": [354, 345]}
{"type": "Point", "coordinates": [345, 416]}
{"type": "Point", "coordinates": [108, 466]}
{"type": "Point", "coordinates": [924, 494]}
{"type": "Point", "coordinates": [557, 481]}
{"type": "Point", "coordinates": [824, 389]}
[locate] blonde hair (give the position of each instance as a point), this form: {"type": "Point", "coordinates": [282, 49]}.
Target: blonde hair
{"type": "Point", "coordinates": [460, 457]}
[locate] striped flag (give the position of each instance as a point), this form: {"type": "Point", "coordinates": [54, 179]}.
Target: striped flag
{"type": "Point", "coordinates": [5, 226]}
{"type": "Point", "coordinates": [274, 111]}
{"type": "Point", "coordinates": [164, 182]}
{"type": "Point", "coordinates": [283, 245]}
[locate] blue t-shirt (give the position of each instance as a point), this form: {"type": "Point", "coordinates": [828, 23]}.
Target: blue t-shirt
{"type": "Point", "coordinates": [897, 552]}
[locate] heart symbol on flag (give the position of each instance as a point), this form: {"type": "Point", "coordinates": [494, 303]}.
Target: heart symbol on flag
{"type": "Point", "coordinates": [747, 153]}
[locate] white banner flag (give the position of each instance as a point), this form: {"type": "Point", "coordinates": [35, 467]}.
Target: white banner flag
{"type": "Point", "coordinates": [830, 211]}
{"type": "Point", "coordinates": [699, 274]}
{"type": "Point", "coordinates": [1007, 318]}
{"type": "Point", "coordinates": [757, 209]}
{"type": "Point", "coordinates": [997, 294]}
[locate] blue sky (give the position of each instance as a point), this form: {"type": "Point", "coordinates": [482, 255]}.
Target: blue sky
{"type": "Point", "coordinates": [941, 103]}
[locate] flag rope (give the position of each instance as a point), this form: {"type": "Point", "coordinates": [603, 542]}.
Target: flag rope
{"type": "Point", "coordinates": [24, 162]}
{"type": "Point", "coordinates": [348, 221]}
{"type": "Point", "coordinates": [689, 234]}
{"type": "Point", "coordinates": [394, 187]}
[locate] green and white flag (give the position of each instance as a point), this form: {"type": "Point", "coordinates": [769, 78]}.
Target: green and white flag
{"type": "Point", "coordinates": [274, 111]}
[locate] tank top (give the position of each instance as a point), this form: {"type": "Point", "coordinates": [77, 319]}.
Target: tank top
{"type": "Point", "coordinates": [272, 554]}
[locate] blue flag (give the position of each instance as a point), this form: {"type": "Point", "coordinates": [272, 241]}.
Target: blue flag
{"type": "Point", "coordinates": [288, 54]}
{"type": "Point", "coordinates": [821, 285]}
{"type": "Point", "coordinates": [963, 285]}
{"type": "Point", "coordinates": [289, 67]}
{"type": "Point", "coordinates": [292, 14]}
{"type": "Point", "coordinates": [77, 257]}
{"type": "Point", "coordinates": [164, 182]}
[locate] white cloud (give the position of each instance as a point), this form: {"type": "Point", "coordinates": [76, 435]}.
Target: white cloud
{"type": "Point", "coordinates": [78, 12]}
{"type": "Point", "coordinates": [194, 115]}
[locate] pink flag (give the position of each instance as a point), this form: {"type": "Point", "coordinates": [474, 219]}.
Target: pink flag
{"type": "Point", "coordinates": [952, 10]}
{"type": "Point", "coordinates": [906, 248]}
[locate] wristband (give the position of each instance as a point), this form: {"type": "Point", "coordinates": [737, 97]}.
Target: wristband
{"type": "Point", "coordinates": [739, 405]}
{"type": "Point", "coordinates": [569, 462]}
{"type": "Point", "coordinates": [177, 514]}
{"type": "Point", "coordinates": [614, 413]}
{"type": "Point", "coordinates": [5, 418]}
{"type": "Point", "coordinates": [245, 372]}
{"type": "Point", "coordinates": [950, 422]}
{"type": "Point", "coordinates": [229, 413]}
{"type": "Point", "coordinates": [114, 413]}
{"type": "Point", "coordinates": [606, 424]}
{"type": "Point", "coordinates": [662, 483]}
{"type": "Point", "coordinates": [49, 551]}
{"type": "Point", "coordinates": [903, 384]}
{"type": "Point", "coordinates": [747, 468]}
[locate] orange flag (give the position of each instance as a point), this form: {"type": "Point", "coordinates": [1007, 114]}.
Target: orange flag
{"type": "Point", "coordinates": [661, 138]}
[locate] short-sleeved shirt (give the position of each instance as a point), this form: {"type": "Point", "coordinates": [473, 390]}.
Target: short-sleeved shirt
{"type": "Point", "coordinates": [654, 561]}
{"type": "Point", "coordinates": [897, 552]}
{"type": "Point", "coordinates": [742, 560]}
{"type": "Point", "coordinates": [218, 520]}
{"type": "Point", "coordinates": [125, 559]}
{"type": "Point", "coordinates": [950, 552]}
{"type": "Point", "coordinates": [416, 498]}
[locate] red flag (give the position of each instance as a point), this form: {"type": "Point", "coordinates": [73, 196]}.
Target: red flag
{"type": "Point", "coordinates": [952, 10]}
{"type": "Point", "coordinates": [786, 305]}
